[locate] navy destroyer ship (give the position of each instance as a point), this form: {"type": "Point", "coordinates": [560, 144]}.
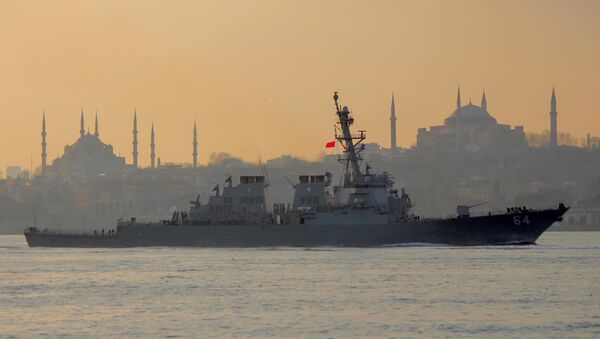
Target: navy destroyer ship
{"type": "Point", "coordinates": [363, 210]}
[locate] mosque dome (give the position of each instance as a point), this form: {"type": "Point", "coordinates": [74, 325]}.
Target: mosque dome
{"type": "Point", "coordinates": [470, 114]}
{"type": "Point", "coordinates": [88, 155]}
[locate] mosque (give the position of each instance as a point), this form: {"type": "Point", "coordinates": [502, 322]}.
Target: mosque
{"type": "Point", "coordinates": [471, 128]}
{"type": "Point", "coordinates": [87, 155]}
{"type": "Point", "coordinates": [90, 156]}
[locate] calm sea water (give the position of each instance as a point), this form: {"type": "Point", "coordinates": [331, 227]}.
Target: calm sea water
{"type": "Point", "coordinates": [548, 290]}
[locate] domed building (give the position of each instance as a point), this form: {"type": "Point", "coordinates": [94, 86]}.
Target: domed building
{"type": "Point", "coordinates": [87, 156]}
{"type": "Point", "coordinates": [471, 128]}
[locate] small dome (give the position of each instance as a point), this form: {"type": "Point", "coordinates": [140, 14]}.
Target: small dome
{"type": "Point", "coordinates": [470, 114]}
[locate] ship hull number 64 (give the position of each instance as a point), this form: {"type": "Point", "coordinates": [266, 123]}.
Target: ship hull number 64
{"type": "Point", "coordinates": [518, 220]}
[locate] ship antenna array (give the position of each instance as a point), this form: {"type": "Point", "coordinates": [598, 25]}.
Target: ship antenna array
{"type": "Point", "coordinates": [349, 141]}
{"type": "Point", "coordinates": [263, 168]}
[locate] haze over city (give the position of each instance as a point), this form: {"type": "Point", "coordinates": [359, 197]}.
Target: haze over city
{"type": "Point", "coordinates": [279, 168]}
{"type": "Point", "coordinates": [258, 76]}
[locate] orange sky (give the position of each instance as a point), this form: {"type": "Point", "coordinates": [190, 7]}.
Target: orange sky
{"type": "Point", "coordinates": [258, 75]}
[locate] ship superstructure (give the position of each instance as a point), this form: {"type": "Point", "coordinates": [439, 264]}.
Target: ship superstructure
{"type": "Point", "coordinates": [243, 203]}
{"type": "Point", "coordinates": [363, 198]}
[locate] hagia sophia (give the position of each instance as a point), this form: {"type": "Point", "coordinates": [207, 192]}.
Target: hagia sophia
{"type": "Point", "coordinates": [473, 128]}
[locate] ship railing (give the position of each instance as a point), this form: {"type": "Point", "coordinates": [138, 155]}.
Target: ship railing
{"type": "Point", "coordinates": [316, 209]}
{"type": "Point", "coordinates": [510, 211]}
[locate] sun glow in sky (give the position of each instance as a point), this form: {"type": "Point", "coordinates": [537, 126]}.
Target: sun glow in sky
{"type": "Point", "coordinates": [258, 76]}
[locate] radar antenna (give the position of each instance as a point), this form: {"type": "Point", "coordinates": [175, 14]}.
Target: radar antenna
{"type": "Point", "coordinates": [349, 141]}
{"type": "Point", "coordinates": [263, 169]}
{"type": "Point", "coordinates": [335, 98]}
{"type": "Point", "coordinates": [229, 180]}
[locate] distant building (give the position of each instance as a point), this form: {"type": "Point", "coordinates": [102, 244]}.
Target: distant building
{"type": "Point", "coordinates": [553, 121]}
{"type": "Point", "coordinates": [44, 153]}
{"type": "Point", "coordinates": [24, 175]}
{"type": "Point", "coordinates": [87, 156]}
{"type": "Point", "coordinates": [471, 128]}
{"type": "Point", "coordinates": [152, 149]}
{"type": "Point", "coordinates": [13, 172]}
{"type": "Point", "coordinates": [195, 145]}
{"type": "Point", "coordinates": [135, 139]}
{"type": "Point", "coordinates": [393, 145]}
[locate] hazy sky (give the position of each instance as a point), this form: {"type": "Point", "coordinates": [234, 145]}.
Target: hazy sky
{"type": "Point", "coordinates": [258, 75]}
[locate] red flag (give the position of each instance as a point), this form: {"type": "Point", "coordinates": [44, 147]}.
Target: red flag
{"type": "Point", "coordinates": [330, 144]}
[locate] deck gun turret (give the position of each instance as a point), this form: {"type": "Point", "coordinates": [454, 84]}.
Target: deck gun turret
{"type": "Point", "coordinates": [463, 211]}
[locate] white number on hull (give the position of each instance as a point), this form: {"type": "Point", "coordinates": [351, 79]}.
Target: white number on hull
{"type": "Point", "coordinates": [518, 221]}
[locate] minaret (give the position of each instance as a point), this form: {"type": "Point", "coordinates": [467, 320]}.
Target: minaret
{"type": "Point", "coordinates": [484, 102]}
{"type": "Point", "coordinates": [44, 153]}
{"type": "Point", "coordinates": [96, 131]}
{"type": "Point", "coordinates": [135, 139]}
{"type": "Point", "coordinates": [195, 153]}
{"type": "Point", "coordinates": [553, 123]}
{"type": "Point", "coordinates": [393, 125]}
{"type": "Point", "coordinates": [82, 129]}
{"type": "Point", "coordinates": [458, 103]}
{"type": "Point", "coordinates": [152, 149]}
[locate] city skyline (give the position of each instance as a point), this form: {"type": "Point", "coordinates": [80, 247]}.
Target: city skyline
{"type": "Point", "coordinates": [286, 168]}
{"type": "Point", "coordinates": [268, 90]}
{"type": "Point", "coordinates": [134, 161]}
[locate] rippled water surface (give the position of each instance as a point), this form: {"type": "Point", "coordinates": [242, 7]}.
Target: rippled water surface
{"type": "Point", "coordinates": [552, 289]}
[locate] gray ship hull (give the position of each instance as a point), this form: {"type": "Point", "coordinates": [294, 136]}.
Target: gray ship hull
{"type": "Point", "coordinates": [513, 228]}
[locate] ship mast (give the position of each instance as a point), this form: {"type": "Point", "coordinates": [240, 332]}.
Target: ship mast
{"type": "Point", "coordinates": [349, 141]}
